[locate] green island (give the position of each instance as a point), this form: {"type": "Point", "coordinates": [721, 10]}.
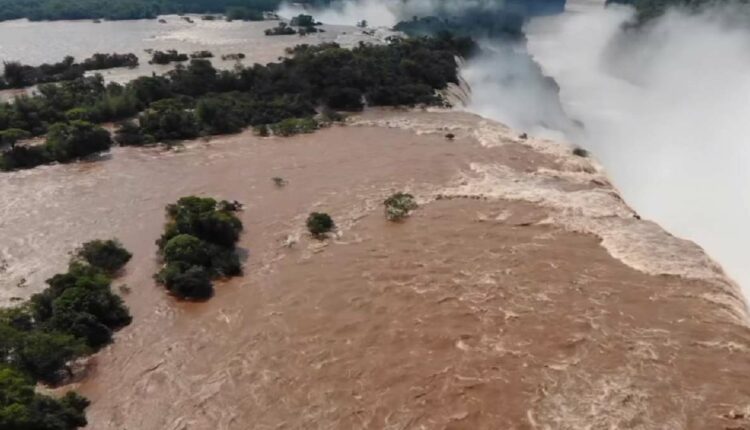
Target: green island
{"type": "Point", "coordinates": [198, 245]}
{"type": "Point", "coordinates": [74, 316]}
{"type": "Point", "coordinates": [198, 100]}
{"type": "Point", "coordinates": [17, 75]}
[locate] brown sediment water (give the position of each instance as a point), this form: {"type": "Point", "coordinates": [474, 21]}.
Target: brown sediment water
{"type": "Point", "coordinates": [522, 294]}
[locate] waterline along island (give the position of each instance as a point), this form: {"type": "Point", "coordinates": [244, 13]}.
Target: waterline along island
{"type": "Point", "coordinates": [354, 214]}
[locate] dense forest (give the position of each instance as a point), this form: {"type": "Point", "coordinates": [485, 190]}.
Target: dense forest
{"type": "Point", "coordinates": [197, 99]}
{"type": "Point", "coordinates": [38, 10]}
{"type": "Point", "coordinates": [648, 9]}
{"type": "Point", "coordinates": [481, 20]}
{"type": "Point", "coordinates": [76, 315]}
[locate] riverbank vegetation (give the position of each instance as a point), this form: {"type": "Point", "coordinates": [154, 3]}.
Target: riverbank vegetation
{"type": "Point", "coordinates": [75, 316]}
{"type": "Point", "coordinates": [197, 99]}
{"type": "Point", "coordinates": [17, 75]}
{"type": "Point", "coordinates": [199, 245]}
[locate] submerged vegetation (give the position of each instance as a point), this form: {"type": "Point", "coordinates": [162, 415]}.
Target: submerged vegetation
{"type": "Point", "coordinates": [17, 75]}
{"type": "Point", "coordinates": [170, 56]}
{"type": "Point", "coordinates": [320, 224]}
{"type": "Point", "coordinates": [399, 205]}
{"type": "Point", "coordinates": [202, 54]}
{"type": "Point", "coordinates": [281, 29]}
{"type": "Point", "coordinates": [197, 99]}
{"type": "Point", "coordinates": [198, 245]}
{"type": "Point", "coordinates": [76, 315]}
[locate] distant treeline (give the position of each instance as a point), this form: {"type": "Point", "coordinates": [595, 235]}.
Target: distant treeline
{"type": "Point", "coordinates": [649, 9]}
{"type": "Point", "coordinates": [17, 75]}
{"type": "Point", "coordinates": [40, 10]}
{"type": "Point", "coordinates": [197, 99]}
{"type": "Point", "coordinates": [499, 19]}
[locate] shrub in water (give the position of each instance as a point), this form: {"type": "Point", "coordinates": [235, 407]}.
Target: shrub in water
{"type": "Point", "coordinates": [318, 224]}
{"type": "Point", "coordinates": [399, 205]}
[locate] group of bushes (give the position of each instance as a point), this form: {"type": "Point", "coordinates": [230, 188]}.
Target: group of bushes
{"type": "Point", "coordinates": [281, 29]}
{"type": "Point", "coordinates": [169, 56]}
{"type": "Point", "coordinates": [196, 99]}
{"type": "Point", "coordinates": [202, 54]}
{"type": "Point", "coordinates": [17, 75]}
{"type": "Point", "coordinates": [305, 24]}
{"type": "Point", "coordinates": [74, 316]}
{"type": "Point", "coordinates": [397, 207]}
{"type": "Point", "coordinates": [198, 245]}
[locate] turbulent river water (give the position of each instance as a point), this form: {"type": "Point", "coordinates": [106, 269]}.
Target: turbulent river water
{"type": "Point", "coordinates": [664, 111]}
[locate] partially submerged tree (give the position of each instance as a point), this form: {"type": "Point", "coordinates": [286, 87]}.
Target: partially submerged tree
{"type": "Point", "coordinates": [399, 205]}
{"type": "Point", "coordinates": [319, 224]}
{"type": "Point", "coordinates": [580, 152]}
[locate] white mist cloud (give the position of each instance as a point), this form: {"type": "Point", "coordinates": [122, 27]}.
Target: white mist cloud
{"type": "Point", "coordinates": [507, 85]}
{"type": "Point", "coordinates": [666, 111]}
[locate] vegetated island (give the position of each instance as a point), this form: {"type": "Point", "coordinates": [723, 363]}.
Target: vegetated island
{"type": "Point", "coordinates": [198, 245]}
{"type": "Point", "coordinates": [170, 56]}
{"type": "Point", "coordinates": [304, 25]}
{"type": "Point", "coordinates": [17, 75]}
{"type": "Point", "coordinates": [198, 100]}
{"type": "Point", "coordinates": [75, 316]}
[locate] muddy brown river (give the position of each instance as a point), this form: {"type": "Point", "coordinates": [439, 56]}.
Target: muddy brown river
{"type": "Point", "coordinates": [522, 294]}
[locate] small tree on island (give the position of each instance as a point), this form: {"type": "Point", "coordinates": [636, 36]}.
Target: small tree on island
{"type": "Point", "coordinates": [318, 224]}
{"type": "Point", "coordinates": [399, 205]}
